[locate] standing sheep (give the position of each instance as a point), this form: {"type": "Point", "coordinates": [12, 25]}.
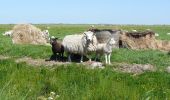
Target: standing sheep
{"type": "Point", "coordinates": [80, 44]}
{"type": "Point", "coordinates": [8, 33]}
{"type": "Point", "coordinates": [106, 49]}
{"type": "Point", "coordinates": [57, 47]}
{"type": "Point", "coordinates": [103, 35]}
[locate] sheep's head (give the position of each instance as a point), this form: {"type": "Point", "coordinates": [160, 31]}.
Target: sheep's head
{"type": "Point", "coordinates": [53, 39]}
{"type": "Point", "coordinates": [112, 41]}
{"type": "Point", "coordinates": [89, 36]}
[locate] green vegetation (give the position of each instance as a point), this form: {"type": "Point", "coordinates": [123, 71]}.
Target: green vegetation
{"type": "Point", "coordinates": [75, 82]}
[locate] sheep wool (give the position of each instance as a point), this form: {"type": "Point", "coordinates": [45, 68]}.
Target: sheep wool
{"type": "Point", "coordinates": [78, 44]}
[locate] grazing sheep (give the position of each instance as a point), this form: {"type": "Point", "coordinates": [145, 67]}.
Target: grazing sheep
{"type": "Point", "coordinates": [8, 33]}
{"type": "Point", "coordinates": [80, 44]}
{"type": "Point", "coordinates": [156, 34]}
{"type": "Point", "coordinates": [106, 49]}
{"type": "Point", "coordinates": [57, 47]}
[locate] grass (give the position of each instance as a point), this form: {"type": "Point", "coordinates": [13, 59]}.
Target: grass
{"type": "Point", "coordinates": [75, 82]}
{"type": "Point", "coordinates": [21, 81]}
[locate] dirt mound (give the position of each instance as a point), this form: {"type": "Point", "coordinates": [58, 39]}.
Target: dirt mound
{"type": "Point", "coordinates": [138, 40]}
{"type": "Point", "coordinates": [143, 40]}
{"type": "Point", "coordinates": [43, 62]}
{"type": "Point", "coordinates": [93, 65]}
{"type": "Point", "coordinates": [27, 34]}
{"type": "Point", "coordinates": [3, 57]}
{"type": "Point", "coordinates": [134, 68]}
{"type": "Point", "coordinates": [39, 62]}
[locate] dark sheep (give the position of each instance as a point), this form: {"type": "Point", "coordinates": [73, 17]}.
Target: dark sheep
{"type": "Point", "coordinates": [57, 48]}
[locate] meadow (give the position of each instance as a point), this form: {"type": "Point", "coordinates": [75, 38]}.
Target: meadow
{"type": "Point", "coordinates": [19, 81]}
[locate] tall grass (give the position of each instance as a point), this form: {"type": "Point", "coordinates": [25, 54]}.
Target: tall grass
{"type": "Point", "coordinates": [20, 81]}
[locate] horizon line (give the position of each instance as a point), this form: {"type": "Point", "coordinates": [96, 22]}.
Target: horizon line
{"type": "Point", "coordinates": [79, 24]}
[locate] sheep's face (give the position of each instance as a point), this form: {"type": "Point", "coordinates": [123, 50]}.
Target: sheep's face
{"type": "Point", "coordinates": [112, 41]}
{"type": "Point", "coordinates": [89, 36]}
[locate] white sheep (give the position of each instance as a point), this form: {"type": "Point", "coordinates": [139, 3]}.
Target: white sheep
{"type": "Point", "coordinates": [8, 33]}
{"type": "Point", "coordinates": [106, 49]}
{"type": "Point", "coordinates": [80, 44]}
{"type": "Point", "coordinates": [156, 34]}
{"type": "Point", "coordinates": [168, 33]}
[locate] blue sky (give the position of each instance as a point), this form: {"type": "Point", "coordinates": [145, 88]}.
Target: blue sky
{"type": "Point", "coordinates": [85, 11]}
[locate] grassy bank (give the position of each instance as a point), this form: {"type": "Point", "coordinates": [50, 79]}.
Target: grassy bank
{"type": "Point", "coordinates": [21, 81]}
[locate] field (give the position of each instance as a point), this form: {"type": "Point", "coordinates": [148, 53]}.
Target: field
{"type": "Point", "coordinates": [19, 81]}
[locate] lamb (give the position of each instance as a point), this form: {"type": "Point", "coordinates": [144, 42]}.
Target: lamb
{"type": "Point", "coordinates": [106, 49]}
{"type": "Point", "coordinates": [156, 34]}
{"type": "Point", "coordinates": [8, 33]}
{"type": "Point", "coordinates": [57, 47]}
{"type": "Point", "coordinates": [82, 44]}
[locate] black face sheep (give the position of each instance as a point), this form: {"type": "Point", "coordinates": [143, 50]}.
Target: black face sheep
{"type": "Point", "coordinates": [57, 48]}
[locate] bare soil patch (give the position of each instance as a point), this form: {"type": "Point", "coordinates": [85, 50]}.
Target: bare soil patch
{"type": "Point", "coordinates": [135, 68]}
{"type": "Point", "coordinates": [3, 57]}
{"type": "Point", "coordinates": [120, 67]}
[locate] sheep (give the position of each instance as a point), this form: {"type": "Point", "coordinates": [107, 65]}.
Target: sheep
{"type": "Point", "coordinates": [106, 49]}
{"type": "Point", "coordinates": [168, 33]}
{"type": "Point", "coordinates": [8, 33]}
{"type": "Point", "coordinates": [82, 44]}
{"type": "Point", "coordinates": [156, 34]}
{"type": "Point", "coordinates": [103, 35]}
{"type": "Point", "coordinates": [57, 47]}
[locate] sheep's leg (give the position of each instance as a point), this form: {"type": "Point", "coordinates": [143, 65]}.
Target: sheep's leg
{"type": "Point", "coordinates": [62, 56]}
{"type": "Point", "coordinates": [109, 58]}
{"type": "Point", "coordinates": [69, 57]}
{"type": "Point", "coordinates": [81, 60]}
{"type": "Point", "coordinates": [90, 59]}
{"type": "Point", "coordinates": [55, 56]}
{"type": "Point", "coordinates": [97, 56]}
{"type": "Point", "coordinates": [105, 58]}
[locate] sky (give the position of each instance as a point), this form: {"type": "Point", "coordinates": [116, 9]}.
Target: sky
{"type": "Point", "coordinates": [85, 11]}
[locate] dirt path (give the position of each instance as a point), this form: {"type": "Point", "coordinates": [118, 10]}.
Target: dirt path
{"type": "Point", "coordinates": [39, 62]}
{"type": "Point", "coordinates": [3, 57]}
{"type": "Point", "coordinates": [120, 67]}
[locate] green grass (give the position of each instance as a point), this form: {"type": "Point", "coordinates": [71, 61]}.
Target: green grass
{"type": "Point", "coordinates": [21, 81]}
